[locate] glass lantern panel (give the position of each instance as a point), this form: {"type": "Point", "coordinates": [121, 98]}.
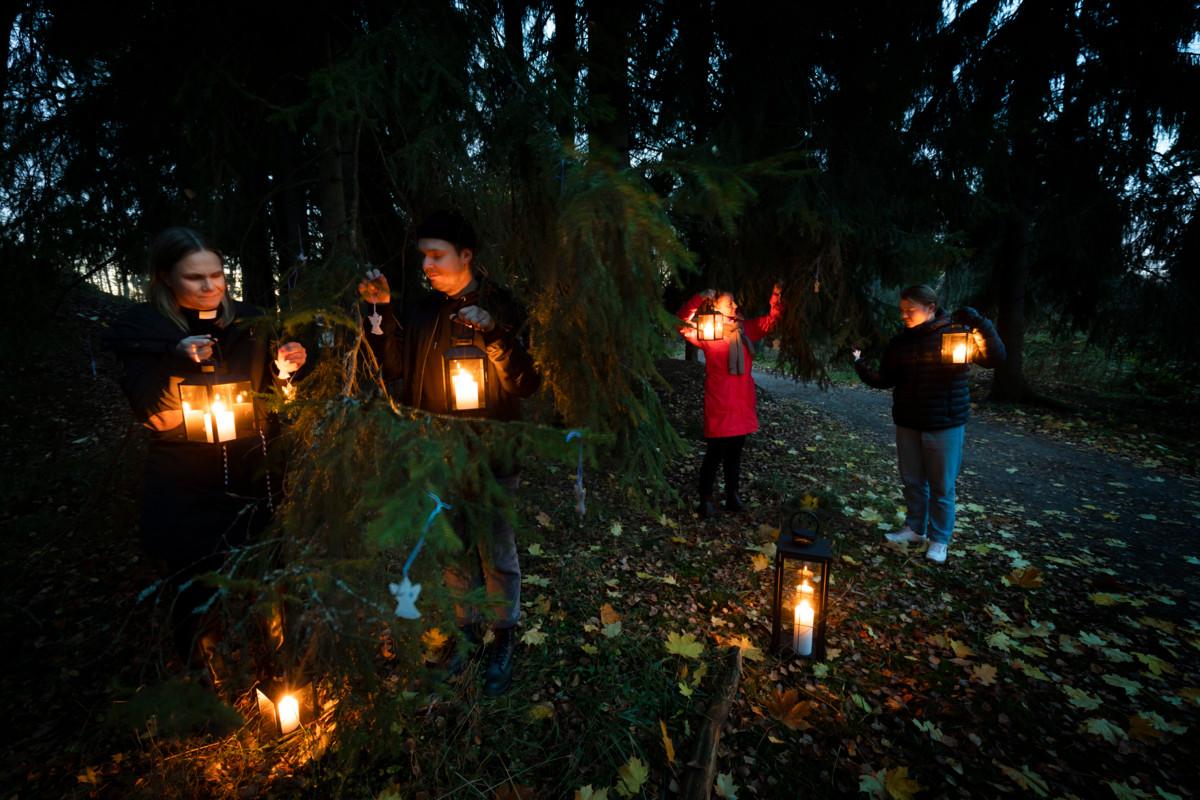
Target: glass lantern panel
{"type": "Point", "coordinates": [801, 611]}
{"type": "Point", "coordinates": [956, 348]}
{"type": "Point", "coordinates": [711, 326]}
{"type": "Point", "coordinates": [233, 410]}
{"type": "Point", "coordinates": [466, 378]}
{"type": "Point", "coordinates": [195, 410]}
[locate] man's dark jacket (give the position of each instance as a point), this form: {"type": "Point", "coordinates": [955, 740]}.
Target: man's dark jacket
{"type": "Point", "coordinates": [927, 394]}
{"type": "Point", "coordinates": [412, 350]}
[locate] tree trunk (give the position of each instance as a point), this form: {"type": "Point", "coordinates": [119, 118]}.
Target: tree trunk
{"type": "Point", "coordinates": [565, 64]}
{"type": "Point", "coordinates": [610, 23]}
{"type": "Point", "coordinates": [258, 280]}
{"type": "Point", "coordinates": [332, 191]}
{"type": "Point", "coordinates": [1009, 384]}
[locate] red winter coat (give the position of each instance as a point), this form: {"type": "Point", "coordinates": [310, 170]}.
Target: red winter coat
{"type": "Point", "coordinates": [729, 402]}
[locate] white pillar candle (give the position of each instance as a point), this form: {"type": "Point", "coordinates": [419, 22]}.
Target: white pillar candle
{"type": "Point", "coordinates": [194, 425]}
{"type": "Point", "coordinates": [960, 354]}
{"type": "Point", "coordinates": [466, 391]}
{"type": "Point", "coordinates": [802, 629]}
{"type": "Point", "coordinates": [289, 714]}
{"type": "Point", "coordinates": [224, 417]}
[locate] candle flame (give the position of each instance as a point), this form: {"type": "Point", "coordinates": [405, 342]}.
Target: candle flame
{"type": "Point", "coordinates": [960, 354]}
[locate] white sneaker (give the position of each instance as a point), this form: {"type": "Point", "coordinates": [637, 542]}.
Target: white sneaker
{"type": "Point", "coordinates": [936, 552]}
{"type": "Point", "coordinates": [905, 535]}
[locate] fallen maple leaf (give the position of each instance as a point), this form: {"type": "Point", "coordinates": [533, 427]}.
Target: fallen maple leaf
{"type": "Point", "coordinates": [683, 644]}
{"type": "Point", "coordinates": [787, 708]}
{"type": "Point", "coordinates": [760, 562]}
{"type": "Point", "coordinates": [608, 615]}
{"type": "Point", "coordinates": [960, 649]}
{"type": "Point", "coordinates": [588, 793]}
{"type": "Point", "coordinates": [1027, 578]}
{"type": "Point", "coordinates": [726, 787]}
{"type": "Point", "coordinates": [984, 673]}
{"type": "Point", "coordinates": [899, 786]}
{"type": "Point", "coordinates": [1027, 779]}
{"type": "Point", "coordinates": [1106, 730]}
{"type": "Point", "coordinates": [749, 651]}
{"type": "Point", "coordinates": [544, 520]}
{"type": "Point", "coordinates": [534, 636]}
{"type": "Point", "coordinates": [631, 777]}
{"type": "Point", "coordinates": [1156, 665]}
{"type": "Point", "coordinates": [1081, 699]}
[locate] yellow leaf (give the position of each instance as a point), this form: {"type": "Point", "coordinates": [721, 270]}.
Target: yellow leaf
{"type": "Point", "coordinates": [668, 745]}
{"type": "Point", "coordinates": [760, 562]}
{"type": "Point", "coordinates": [960, 649]}
{"type": "Point", "coordinates": [1155, 664]}
{"type": "Point", "coordinates": [631, 777]}
{"type": "Point", "coordinates": [535, 549]}
{"type": "Point", "coordinates": [1027, 578]}
{"type": "Point", "coordinates": [1105, 599]}
{"type": "Point", "coordinates": [534, 636]}
{"type": "Point", "coordinates": [542, 711]}
{"type": "Point", "coordinates": [590, 649]}
{"type": "Point", "coordinates": [683, 644]}
{"type": "Point", "coordinates": [809, 502]}
{"type": "Point", "coordinates": [984, 673]}
{"type": "Point", "coordinates": [588, 793]}
{"type": "Point", "coordinates": [544, 520]}
{"type": "Point", "coordinates": [749, 651]}
{"type": "Point", "coordinates": [434, 639]}
{"type": "Point", "coordinates": [899, 786]}
{"type": "Point", "coordinates": [608, 615]}
{"type": "Point", "coordinates": [89, 776]}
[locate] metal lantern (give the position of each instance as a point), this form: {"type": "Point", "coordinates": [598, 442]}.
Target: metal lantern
{"type": "Point", "coordinates": [466, 371]}
{"type": "Point", "coordinates": [801, 592]}
{"type": "Point", "coordinates": [216, 407]}
{"type": "Point", "coordinates": [710, 323]}
{"type": "Point", "coordinates": [958, 347]}
{"type": "Point", "coordinates": [282, 710]}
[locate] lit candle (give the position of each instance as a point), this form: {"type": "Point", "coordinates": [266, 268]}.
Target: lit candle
{"type": "Point", "coordinates": [960, 354]}
{"type": "Point", "coordinates": [289, 714]}
{"type": "Point", "coordinates": [710, 331]}
{"type": "Point", "coordinates": [466, 391]}
{"type": "Point", "coordinates": [225, 427]}
{"type": "Point", "coordinates": [802, 629]}
{"type": "Point", "coordinates": [243, 413]}
{"type": "Point", "coordinates": [194, 424]}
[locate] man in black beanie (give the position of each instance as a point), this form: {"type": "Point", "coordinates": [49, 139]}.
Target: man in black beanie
{"type": "Point", "coordinates": [464, 311]}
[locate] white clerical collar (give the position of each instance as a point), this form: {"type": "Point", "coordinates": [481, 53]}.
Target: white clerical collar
{"type": "Point", "coordinates": [208, 314]}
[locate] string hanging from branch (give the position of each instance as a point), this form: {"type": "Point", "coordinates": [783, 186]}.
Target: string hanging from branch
{"type": "Point", "coordinates": [406, 592]}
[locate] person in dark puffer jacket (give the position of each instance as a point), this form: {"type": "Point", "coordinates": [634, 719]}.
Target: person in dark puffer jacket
{"type": "Point", "coordinates": [930, 406]}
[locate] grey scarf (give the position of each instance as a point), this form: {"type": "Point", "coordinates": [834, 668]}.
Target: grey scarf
{"type": "Point", "coordinates": [737, 348]}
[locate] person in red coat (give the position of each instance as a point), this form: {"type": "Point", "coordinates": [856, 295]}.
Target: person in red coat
{"type": "Point", "coordinates": [729, 400]}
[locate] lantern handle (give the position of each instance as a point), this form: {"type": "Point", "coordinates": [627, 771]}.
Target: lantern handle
{"type": "Point", "coordinates": [816, 521]}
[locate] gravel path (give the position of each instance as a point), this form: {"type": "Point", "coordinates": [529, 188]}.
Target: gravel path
{"type": "Point", "coordinates": [1089, 494]}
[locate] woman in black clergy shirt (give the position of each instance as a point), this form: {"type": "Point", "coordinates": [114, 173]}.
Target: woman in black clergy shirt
{"type": "Point", "coordinates": [199, 499]}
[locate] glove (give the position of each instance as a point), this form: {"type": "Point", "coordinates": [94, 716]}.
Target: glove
{"type": "Point", "coordinates": [968, 316]}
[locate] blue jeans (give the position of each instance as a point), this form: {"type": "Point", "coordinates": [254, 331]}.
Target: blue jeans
{"type": "Point", "coordinates": [929, 465]}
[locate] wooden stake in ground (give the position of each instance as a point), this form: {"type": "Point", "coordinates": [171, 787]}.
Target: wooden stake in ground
{"type": "Point", "coordinates": [702, 769]}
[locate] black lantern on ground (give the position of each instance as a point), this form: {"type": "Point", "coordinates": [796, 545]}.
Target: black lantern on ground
{"type": "Point", "coordinates": [958, 347]}
{"type": "Point", "coordinates": [710, 323]}
{"type": "Point", "coordinates": [282, 709]}
{"type": "Point", "coordinates": [801, 591]}
{"type": "Point", "coordinates": [217, 407]}
{"type": "Point", "coordinates": [466, 371]}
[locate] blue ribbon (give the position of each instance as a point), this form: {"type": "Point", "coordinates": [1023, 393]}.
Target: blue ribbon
{"type": "Point", "coordinates": [437, 509]}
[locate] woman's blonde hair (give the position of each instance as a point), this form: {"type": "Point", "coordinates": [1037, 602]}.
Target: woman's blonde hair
{"type": "Point", "coordinates": [168, 249]}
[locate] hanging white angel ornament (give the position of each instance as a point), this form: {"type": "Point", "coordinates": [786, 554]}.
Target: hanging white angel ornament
{"type": "Point", "coordinates": [406, 593]}
{"type": "Point", "coordinates": [376, 320]}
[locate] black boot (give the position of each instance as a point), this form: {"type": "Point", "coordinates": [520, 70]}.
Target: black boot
{"type": "Point", "coordinates": [500, 662]}
{"type": "Point", "coordinates": [451, 656]}
{"type": "Point", "coordinates": [734, 503]}
{"type": "Point", "coordinates": [707, 508]}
